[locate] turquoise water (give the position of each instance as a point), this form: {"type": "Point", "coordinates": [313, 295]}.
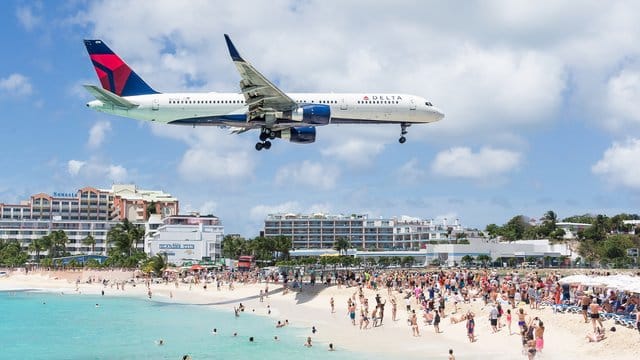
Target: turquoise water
{"type": "Point", "coordinates": [36, 325]}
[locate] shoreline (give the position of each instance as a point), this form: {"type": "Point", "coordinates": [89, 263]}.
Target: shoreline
{"type": "Point", "coordinates": [311, 307]}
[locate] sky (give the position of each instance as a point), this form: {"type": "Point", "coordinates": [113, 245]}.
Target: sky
{"type": "Point", "coordinates": [540, 101]}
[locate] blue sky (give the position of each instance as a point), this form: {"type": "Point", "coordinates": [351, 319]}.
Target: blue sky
{"type": "Point", "coordinates": [540, 103]}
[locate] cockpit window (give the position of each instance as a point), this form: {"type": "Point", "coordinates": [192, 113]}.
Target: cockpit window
{"type": "Point", "coordinates": [428, 104]}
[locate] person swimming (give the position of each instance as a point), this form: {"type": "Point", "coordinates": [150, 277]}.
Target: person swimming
{"type": "Point", "coordinates": [160, 342]}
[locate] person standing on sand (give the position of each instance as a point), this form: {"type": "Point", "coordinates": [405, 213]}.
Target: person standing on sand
{"type": "Point", "coordinates": [394, 309]}
{"type": "Point", "coordinates": [414, 323]}
{"type": "Point", "coordinates": [451, 356]}
{"type": "Point", "coordinates": [521, 318]}
{"type": "Point", "coordinates": [594, 308]}
{"type": "Point", "coordinates": [585, 301]}
{"type": "Point", "coordinates": [509, 320]}
{"type": "Point", "coordinates": [471, 324]}
{"type": "Point", "coordinates": [333, 305]}
{"type": "Point", "coordinates": [539, 336]}
{"type": "Point", "coordinates": [352, 313]}
{"type": "Point", "coordinates": [436, 322]}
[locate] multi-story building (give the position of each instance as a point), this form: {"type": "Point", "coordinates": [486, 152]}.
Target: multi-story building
{"type": "Point", "coordinates": [184, 237]}
{"type": "Point", "coordinates": [88, 211]}
{"type": "Point", "coordinates": [322, 231]}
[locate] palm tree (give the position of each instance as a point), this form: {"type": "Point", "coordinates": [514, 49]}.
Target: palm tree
{"type": "Point", "coordinates": [46, 244]}
{"type": "Point", "coordinates": [341, 244]}
{"type": "Point", "coordinates": [59, 240]}
{"type": "Point", "coordinates": [124, 237]}
{"type": "Point", "coordinates": [89, 241]}
{"type": "Point", "coordinates": [37, 246]}
{"type": "Point", "coordinates": [283, 246]}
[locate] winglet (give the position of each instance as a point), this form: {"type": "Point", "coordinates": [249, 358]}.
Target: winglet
{"type": "Point", "coordinates": [235, 55]}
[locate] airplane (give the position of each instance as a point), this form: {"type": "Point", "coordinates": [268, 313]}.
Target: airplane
{"type": "Point", "coordinates": [259, 105]}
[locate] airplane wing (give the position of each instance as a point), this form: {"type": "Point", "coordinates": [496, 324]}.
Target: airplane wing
{"type": "Point", "coordinates": [108, 97]}
{"type": "Point", "coordinates": [262, 97]}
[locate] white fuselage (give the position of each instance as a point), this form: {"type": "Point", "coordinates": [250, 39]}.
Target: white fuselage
{"type": "Point", "coordinates": [220, 109]}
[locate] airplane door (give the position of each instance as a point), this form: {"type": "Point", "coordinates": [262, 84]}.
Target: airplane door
{"type": "Point", "coordinates": [412, 106]}
{"type": "Point", "coordinates": [343, 105]}
{"type": "Point", "coordinates": [155, 105]}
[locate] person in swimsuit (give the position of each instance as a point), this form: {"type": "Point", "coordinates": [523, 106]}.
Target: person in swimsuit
{"type": "Point", "coordinates": [594, 308]}
{"type": "Point", "coordinates": [471, 324]}
{"type": "Point", "coordinates": [521, 318]}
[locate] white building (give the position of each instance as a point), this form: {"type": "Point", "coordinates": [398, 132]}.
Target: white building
{"type": "Point", "coordinates": [571, 229]}
{"type": "Point", "coordinates": [184, 237]}
{"type": "Point", "coordinates": [452, 254]}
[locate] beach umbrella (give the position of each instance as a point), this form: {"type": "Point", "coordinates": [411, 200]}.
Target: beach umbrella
{"type": "Point", "coordinates": [196, 267]}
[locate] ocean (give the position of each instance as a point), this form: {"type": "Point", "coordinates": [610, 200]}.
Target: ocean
{"type": "Point", "coordinates": [37, 325]}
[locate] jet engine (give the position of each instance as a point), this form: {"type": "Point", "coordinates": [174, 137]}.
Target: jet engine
{"type": "Point", "coordinates": [299, 135]}
{"type": "Point", "coordinates": [313, 114]}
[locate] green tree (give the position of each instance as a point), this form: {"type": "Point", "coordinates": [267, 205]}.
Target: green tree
{"type": "Point", "coordinates": [234, 246]}
{"type": "Point", "coordinates": [484, 259]}
{"type": "Point", "coordinates": [123, 238]}
{"type": "Point", "coordinates": [37, 246]}
{"type": "Point", "coordinates": [151, 209]}
{"type": "Point", "coordinates": [11, 253]}
{"type": "Point", "coordinates": [467, 259]}
{"type": "Point", "coordinates": [407, 261]}
{"type": "Point", "coordinates": [515, 228]}
{"type": "Point", "coordinates": [283, 246]}
{"type": "Point", "coordinates": [384, 261]}
{"type": "Point", "coordinates": [89, 240]}
{"type": "Point", "coordinates": [493, 231]}
{"type": "Point", "coordinates": [341, 245]}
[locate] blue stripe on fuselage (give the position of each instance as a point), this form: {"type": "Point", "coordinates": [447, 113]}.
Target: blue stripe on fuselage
{"type": "Point", "coordinates": [211, 120]}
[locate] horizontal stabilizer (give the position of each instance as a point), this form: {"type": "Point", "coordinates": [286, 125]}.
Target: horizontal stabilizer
{"type": "Point", "coordinates": [108, 97]}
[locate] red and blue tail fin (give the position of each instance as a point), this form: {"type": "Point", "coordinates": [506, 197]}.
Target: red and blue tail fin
{"type": "Point", "coordinates": [114, 74]}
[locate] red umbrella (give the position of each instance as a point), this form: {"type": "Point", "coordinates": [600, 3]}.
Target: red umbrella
{"type": "Point", "coordinates": [196, 267]}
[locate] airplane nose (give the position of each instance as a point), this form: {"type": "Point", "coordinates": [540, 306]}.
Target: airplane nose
{"type": "Point", "coordinates": [439, 115]}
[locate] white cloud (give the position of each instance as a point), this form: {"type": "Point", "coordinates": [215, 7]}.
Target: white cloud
{"type": "Point", "coordinates": [74, 166]}
{"type": "Point", "coordinates": [259, 212]}
{"type": "Point", "coordinates": [213, 153]}
{"type": "Point", "coordinates": [619, 164]}
{"type": "Point", "coordinates": [97, 133]}
{"type": "Point", "coordinates": [623, 97]}
{"type": "Point", "coordinates": [201, 164]}
{"type": "Point", "coordinates": [355, 146]}
{"type": "Point", "coordinates": [27, 18]}
{"type": "Point", "coordinates": [461, 162]}
{"type": "Point", "coordinates": [411, 172]}
{"type": "Point", "coordinates": [96, 170]}
{"type": "Point", "coordinates": [314, 175]}
{"type": "Point", "coordinates": [16, 84]}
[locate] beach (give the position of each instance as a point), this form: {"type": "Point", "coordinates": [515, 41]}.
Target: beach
{"type": "Point", "coordinates": [564, 336]}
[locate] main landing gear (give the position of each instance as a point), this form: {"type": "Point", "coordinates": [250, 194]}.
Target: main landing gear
{"type": "Point", "coordinates": [264, 135]}
{"type": "Point", "coordinates": [403, 132]}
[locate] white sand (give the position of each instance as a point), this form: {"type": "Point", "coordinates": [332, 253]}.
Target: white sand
{"type": "Point", "coordinates": [564, 335]}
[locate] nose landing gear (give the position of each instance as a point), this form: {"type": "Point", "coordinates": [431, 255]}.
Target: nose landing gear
{"type": "Point", "coordinates": [403, 132]}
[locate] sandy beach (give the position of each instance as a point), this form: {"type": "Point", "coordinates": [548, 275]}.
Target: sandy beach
{"type": "Point", "coordinates": [564, 335]}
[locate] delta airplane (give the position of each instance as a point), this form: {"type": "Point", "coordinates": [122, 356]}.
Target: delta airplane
{"type": "Point", "coordinates": [260, 105]}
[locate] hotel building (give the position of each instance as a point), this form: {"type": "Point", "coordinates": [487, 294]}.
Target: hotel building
{"type": "Point", "coordinates": [88, 211]}
{"type": "Point", "coordinates": [184, 237]}
{"type": "Point", "coordinates": [319, 231]}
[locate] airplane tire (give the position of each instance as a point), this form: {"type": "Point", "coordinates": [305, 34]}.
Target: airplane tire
{"type": "Point", "coordinates": [402, 140]}
{"type": "Point", "coordinates": [263, 136]}
{"type": "Point", "coordinates": [272, 135]}
{"type": "Point", "coordinates": [258, 146]}
{"type": "Point", "coordinates": [267, 145]}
